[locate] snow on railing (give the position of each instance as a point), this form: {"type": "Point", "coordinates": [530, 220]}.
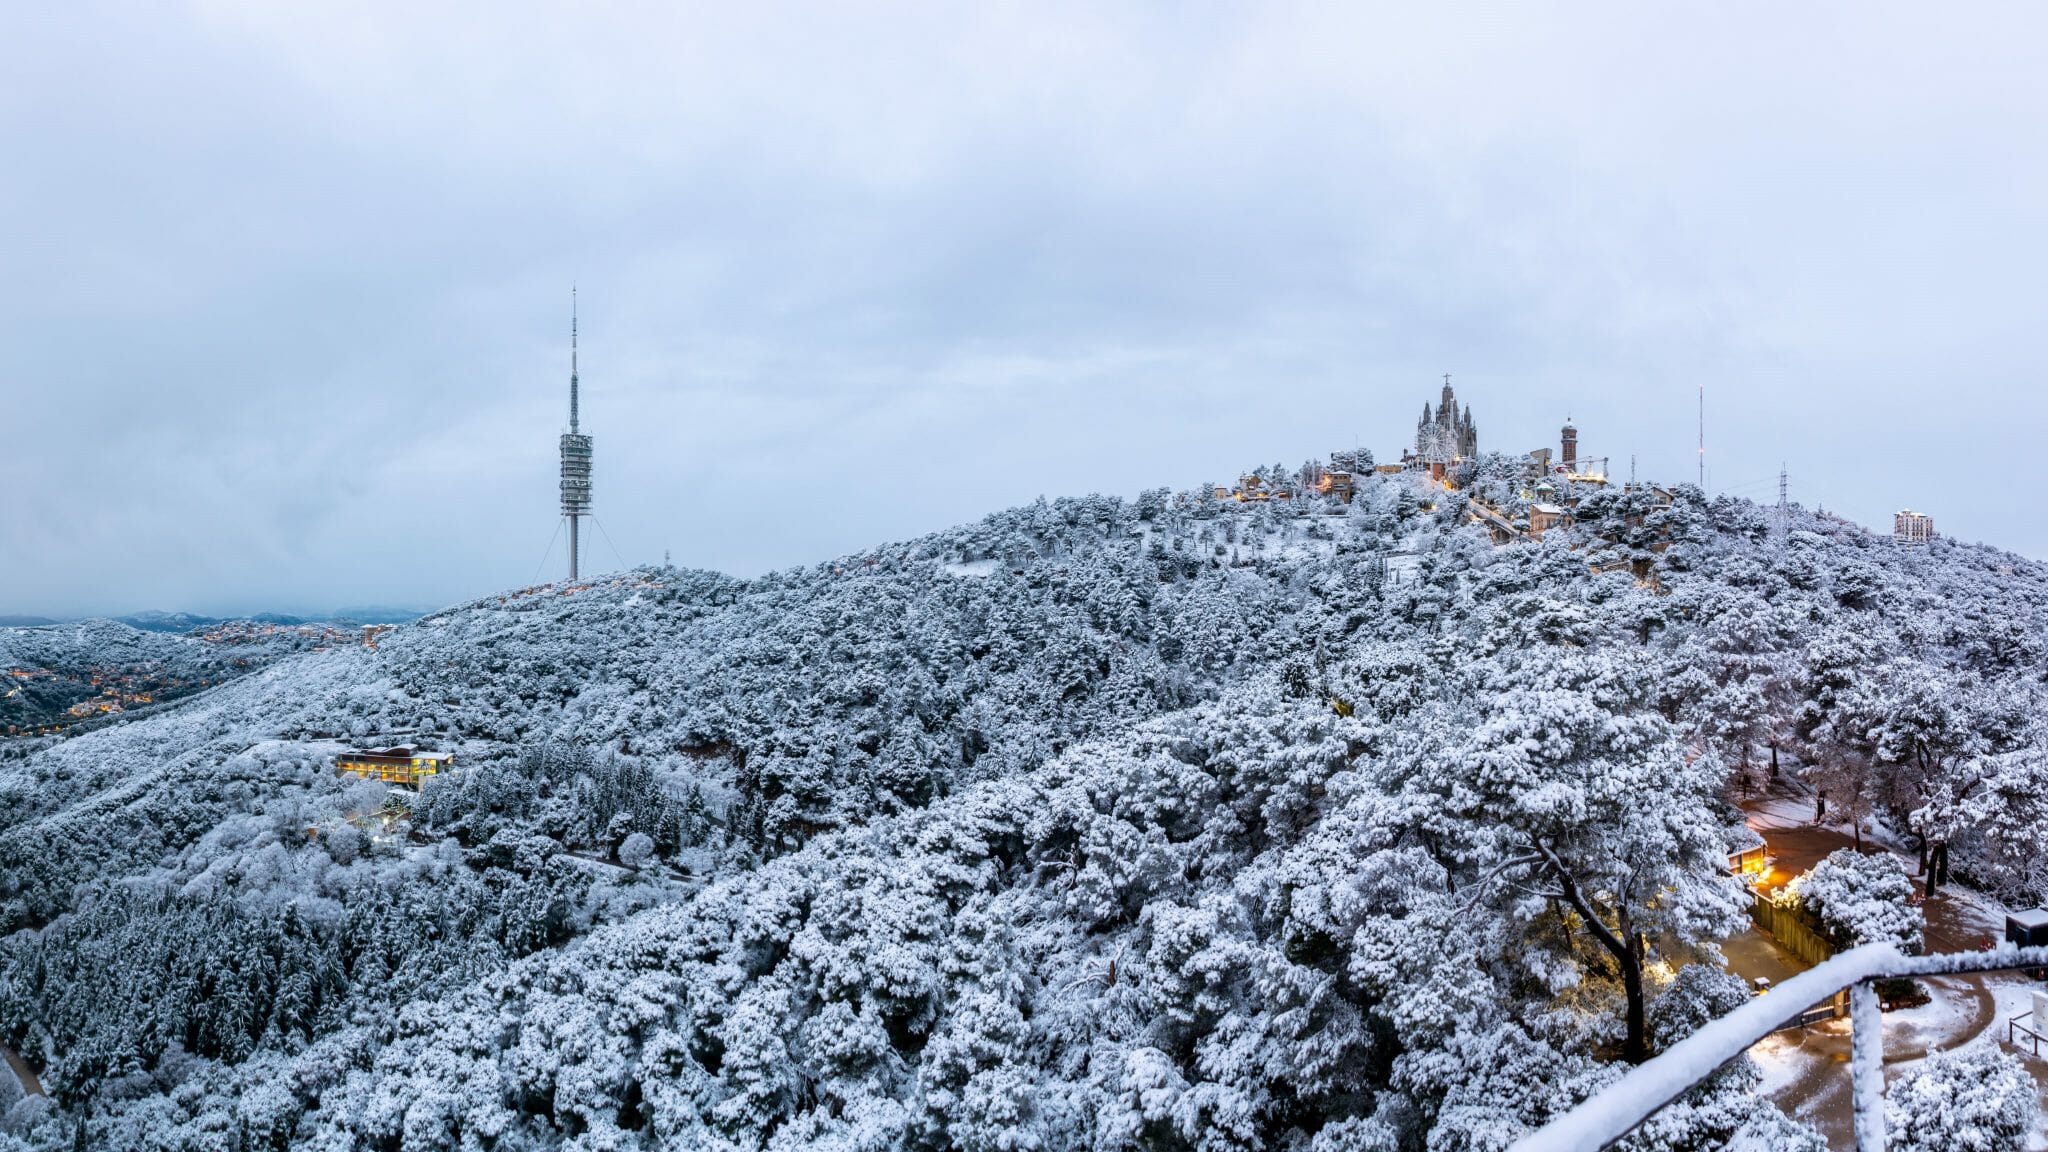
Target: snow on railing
{"type": "Point", "coordinates": [1615, 1111]}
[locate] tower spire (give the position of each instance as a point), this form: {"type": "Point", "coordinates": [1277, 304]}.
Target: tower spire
{"type": "Point", "coordinates": [573, 386]}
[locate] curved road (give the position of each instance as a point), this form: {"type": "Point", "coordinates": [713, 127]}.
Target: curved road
{"type": "Point", "coordinates": [22, 1072]}
{"type": "Point", "coordinates": [1955, 921]}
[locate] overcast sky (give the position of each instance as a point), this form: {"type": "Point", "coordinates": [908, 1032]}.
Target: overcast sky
{"type": "Point", "coordinates": [285, 289]}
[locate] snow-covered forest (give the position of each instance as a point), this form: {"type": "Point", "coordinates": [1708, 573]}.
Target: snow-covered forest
{"type": "Point", "coordinates": [1167, 823]}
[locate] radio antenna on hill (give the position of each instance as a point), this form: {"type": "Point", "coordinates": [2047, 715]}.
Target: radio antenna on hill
{"type": "Point", "coordinates": [573, 385]}
{"type": "Point", "coordinates": [1784, 505]}
{"type": "Point", "coordinates": [1703, 436]}
{"type": "Point", "coordinates": [575, 453]}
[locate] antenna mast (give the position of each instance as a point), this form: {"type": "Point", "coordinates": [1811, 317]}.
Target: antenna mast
{"type": "Point", "coordinates": [1703, 437]}
{"type": "Point", "coordinates": [572, 358]}
{"type": "Point", "coordinates": [575, 454]}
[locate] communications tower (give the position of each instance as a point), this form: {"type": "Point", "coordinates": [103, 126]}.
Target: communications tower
{"type": "Point", "coordinates": [575, 454]}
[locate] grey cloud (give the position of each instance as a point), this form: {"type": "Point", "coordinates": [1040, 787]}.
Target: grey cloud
{"type": "Point", "coordinates": [284, 324]}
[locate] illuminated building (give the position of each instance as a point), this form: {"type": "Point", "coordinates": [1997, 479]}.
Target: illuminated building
{"type": "Point", "coordinates": [408, 766]}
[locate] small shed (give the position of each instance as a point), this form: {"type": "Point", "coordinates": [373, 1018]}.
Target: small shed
{"type": "Point", "coordinates": [1544, 517]}
{"type": "Point", "coordinates": [1748, 854]}
{"type": "Point", "coordinates": [2027, 929]}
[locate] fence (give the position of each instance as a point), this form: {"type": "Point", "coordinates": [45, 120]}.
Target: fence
{"type": "Point", "coordinates": [2013, 1028]}
{"type": "Point", "coordinates": [1616, 1110]}
{"type": "Point", "coordinates": [1788, 926]}
{"type": "Point", "coordinates": [1825, 1010]}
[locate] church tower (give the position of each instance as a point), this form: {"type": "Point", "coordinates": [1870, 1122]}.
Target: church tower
{"type": "Point", "coordinates": [1448, 434]}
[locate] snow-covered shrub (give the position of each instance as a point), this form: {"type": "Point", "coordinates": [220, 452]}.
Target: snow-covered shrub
{"type": "Point", "coordinates": [344, 843]}
{"type": "Point", "coordinates": [1977, 1099]}
{"type": "Point", "coordinates": [1700, 993]}
{"type": "Point", "coordinates": [637, 850]}
{"type": "Point", "coordinates": [1861, 899]}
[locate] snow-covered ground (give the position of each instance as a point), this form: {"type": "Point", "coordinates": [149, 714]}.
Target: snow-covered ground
{"type": "Point", "coordinates": [1785, 1061]}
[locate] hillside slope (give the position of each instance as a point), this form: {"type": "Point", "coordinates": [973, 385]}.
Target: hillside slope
{"type": "Point", "coordinates": [1167, 823]}
{"type": "Point", "coordinates": [60, 678]}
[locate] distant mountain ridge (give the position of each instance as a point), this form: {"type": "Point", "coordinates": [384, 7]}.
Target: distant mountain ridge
{"type": "Point", "coordinates": [159, 621]}
{"type": "Point", "coordinates": [154, 621]}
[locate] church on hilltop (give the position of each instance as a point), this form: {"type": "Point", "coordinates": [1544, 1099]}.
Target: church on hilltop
{"type": "Point", "coordinates": [1445, 435]}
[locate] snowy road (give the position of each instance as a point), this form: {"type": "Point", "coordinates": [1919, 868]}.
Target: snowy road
{"type": "Point", "coordinates": [30, 1086]}
{"type": "Point", "coordinates": [1806, 1072]}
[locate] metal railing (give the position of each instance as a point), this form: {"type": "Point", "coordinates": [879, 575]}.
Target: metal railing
{"type": "Point", "coordinates": [2013, 1029]}
{"type": "Point", "coordinates": [1615, 1111]}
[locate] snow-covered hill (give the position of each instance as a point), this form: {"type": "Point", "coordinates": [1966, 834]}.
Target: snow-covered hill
{"type": "Point", "coordinates": [59, 677]}
{"type": "Point", "coordinates": [1167, 823]}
